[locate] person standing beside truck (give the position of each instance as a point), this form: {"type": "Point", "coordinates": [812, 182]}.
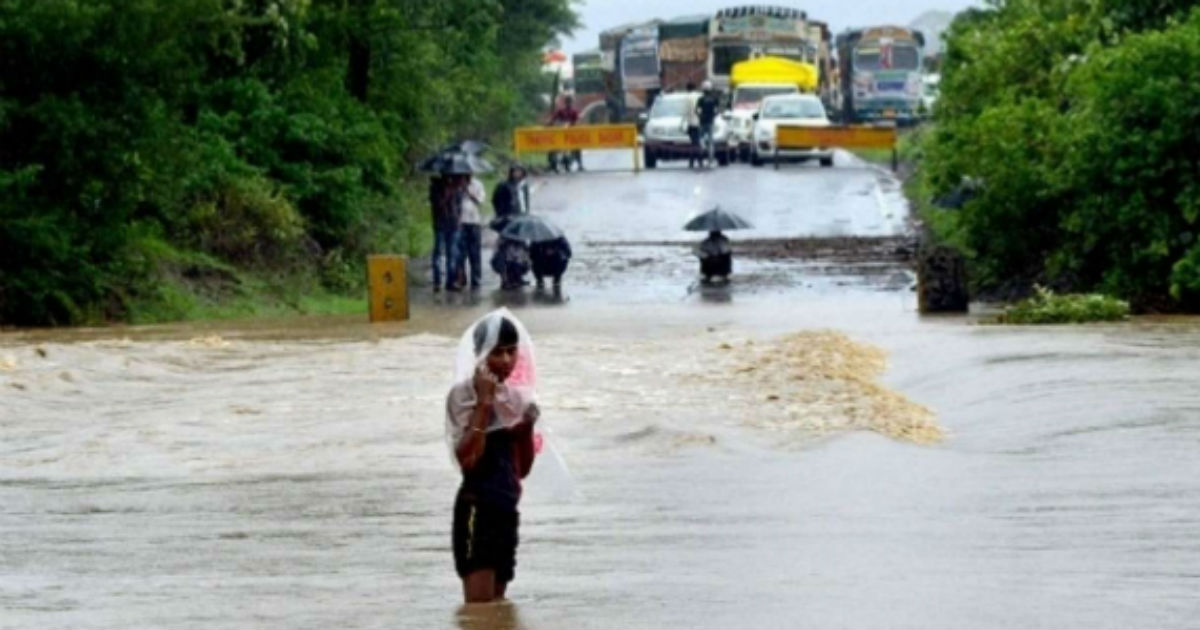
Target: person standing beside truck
{"type": "Point", "coordinates": [693, 128]}
{"type": "Point", "coordinates": [706, 111]}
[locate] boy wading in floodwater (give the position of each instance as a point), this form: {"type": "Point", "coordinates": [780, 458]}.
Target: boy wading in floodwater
{"type": "Point", "coordinates": [490, 416]}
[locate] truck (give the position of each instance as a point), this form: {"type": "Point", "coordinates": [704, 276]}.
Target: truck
{"type": "Point", "coordinates": [630, 55]}
{"type": "Point", "coordinates": [589, 71]}
{"type": "Point", "coordinates": [742, 33]}
{"type": "Point", "coordinates": [821, 39]}
{"type": "Point", "coordinates": [683, 52]}
{"type": "Point", "coordinates": [754, 80]}
{"type": "Point", "coordinates": [880, 73]}
{"type": "Point", "coordinates": [639, 66]}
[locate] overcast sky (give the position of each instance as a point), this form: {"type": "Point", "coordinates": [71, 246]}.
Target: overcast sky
{"type": "Point", "coordinates": [598, 15]}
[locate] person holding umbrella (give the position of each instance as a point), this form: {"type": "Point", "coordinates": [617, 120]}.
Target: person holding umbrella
{"type": "Point", "coordinates": [445, 200]}
{"type": "Point", "coordinates": [511, 197]}
{"type": "Point", "coordinates": [716, 256]}
{"type": "Point", "coordinates": [714, 252]}
{"type": "Point", "coordinates": [549, 260]}
{"type": "Point", "coordinates": [450, 168]}
{"type": "Point", "coordinates": [511, 262]}
{"type": "Point", "coordinates": [546, 238]}
{"type": "Point", "coordinates": [469, 230]}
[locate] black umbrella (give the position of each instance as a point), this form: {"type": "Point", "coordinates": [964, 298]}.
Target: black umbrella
{"type": "Point", "coordinates": [473, 147]}
{"type": "Point", "coordinates": [532, 228]}
{"type": "Point", "coordinates": [455, 163]}
{"type": "Point", "coordinates": [717, 220]}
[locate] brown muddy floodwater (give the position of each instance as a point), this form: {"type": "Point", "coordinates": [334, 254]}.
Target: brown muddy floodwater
{"type": "Point", "coordinates": [829, 463]}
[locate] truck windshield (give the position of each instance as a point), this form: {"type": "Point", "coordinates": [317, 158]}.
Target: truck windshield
{"type": "Point", "coordinates": [793, 108]}
{"type": "Point", "coordinates": [795, 54]}
{"type": "Point", "coordinates": [752, 96]}
{"type": "Point", "coordinates": [641, 65]}
{"type": "Point", "coordinates": [896, 57]}
{"type": "Point", "coordinates": [589, 81]}
{"type": "Point", "coordinates": [726, 55]}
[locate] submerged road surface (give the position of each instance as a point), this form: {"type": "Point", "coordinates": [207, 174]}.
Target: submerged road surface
{"type": "Point", "coordinates": [730, 464]}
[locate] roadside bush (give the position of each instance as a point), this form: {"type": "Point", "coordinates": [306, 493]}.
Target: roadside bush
{"type": "Point", "coordinates": [1047, 307]}
{"type": "Point", "coordinates": [1133, 172]}
{"type": "Point", "coordinates": [248, 223]}
{"type": "Point", "coordinates": [1077, 118]}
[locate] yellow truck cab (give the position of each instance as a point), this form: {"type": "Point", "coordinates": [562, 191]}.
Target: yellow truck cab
{"type": "Point", "coordinates": [752, 81]}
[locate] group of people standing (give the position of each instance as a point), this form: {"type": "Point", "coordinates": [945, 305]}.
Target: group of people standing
{"type": "Point", "coordinates": [457, 202]}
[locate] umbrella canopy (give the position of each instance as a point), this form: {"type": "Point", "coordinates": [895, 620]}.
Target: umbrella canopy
{"type": "Point", "coordinates": [717, 219]}
{"type": "Point", "coordinates": [531, 227]}
{"type": "Point", "coordinates": [473, 147]}
{"type": "Point", "coordinates": [455, 163]}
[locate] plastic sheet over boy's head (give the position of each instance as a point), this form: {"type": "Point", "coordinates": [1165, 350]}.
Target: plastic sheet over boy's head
{"type": "Point", "coordinates": [498, 329]}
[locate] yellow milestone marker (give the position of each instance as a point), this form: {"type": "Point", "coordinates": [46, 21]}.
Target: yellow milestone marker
{"type": "Point", "coordinates": [387, 286]}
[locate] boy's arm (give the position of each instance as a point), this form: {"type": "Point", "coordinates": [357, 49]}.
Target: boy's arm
{"type": "Point", "coordinates": [474, 439]}
{"type": "Point", "coordinates": [473, 416]}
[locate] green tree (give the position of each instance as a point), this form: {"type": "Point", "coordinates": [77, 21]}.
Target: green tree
{"type": "Point", "coordinates": [1076, 117]}
{"type": "Point", "coordinates": [150, 142]}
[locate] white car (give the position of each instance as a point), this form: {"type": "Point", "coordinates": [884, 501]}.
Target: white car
{"type": "Point", "coordinates": [803, 110]}
{"type": "Point", "coordinates": [743, 103]}
{"type": "Point", "coordinates": [665, 135]}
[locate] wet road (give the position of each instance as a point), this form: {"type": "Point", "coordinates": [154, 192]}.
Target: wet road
{"type": "Point", "coordinates": [798, 200]}
{"type": "Point", "coordinates": [293, 474]}
{"type": "Point", "coordinates": [626, 229]}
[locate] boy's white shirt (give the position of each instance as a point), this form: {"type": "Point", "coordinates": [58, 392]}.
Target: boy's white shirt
{"type": "Point", "coordinates": [508, 407]}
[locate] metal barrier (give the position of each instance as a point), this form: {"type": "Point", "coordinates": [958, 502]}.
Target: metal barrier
{"type": "Point", "coordinates": [579, 137]}
{"type": "Point", "coordinates": [799, 137]}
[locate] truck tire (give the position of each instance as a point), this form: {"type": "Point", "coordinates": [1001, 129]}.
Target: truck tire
{"type": "Point", "coordinates": [723, 158]}
{"type": "Point", "coordinates": [755, 160]}
{"type": "Point", "coordinates": [827, 162]}
{"type": "Point", "coordinates": [650, 157]}
{"type": "Point", "coordinates": [743, 154]}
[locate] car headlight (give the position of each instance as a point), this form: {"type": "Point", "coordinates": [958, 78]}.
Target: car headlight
{"type": "Point", "coordinates": [764, 134]}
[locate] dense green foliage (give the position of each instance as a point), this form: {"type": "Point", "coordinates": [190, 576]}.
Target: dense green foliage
{"type": "Point", "coordinates": [153, 151]}
{"type": "Point", "coordinates": [1078, 119]}
{"type": "Point", "coordinates": [1047, 307]}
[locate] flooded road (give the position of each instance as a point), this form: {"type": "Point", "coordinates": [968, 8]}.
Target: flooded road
{"type": "Point", "coordinates": [293, 474]}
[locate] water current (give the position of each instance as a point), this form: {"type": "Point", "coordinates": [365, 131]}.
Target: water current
{"type": "Point", "coordinates": [829, 463]}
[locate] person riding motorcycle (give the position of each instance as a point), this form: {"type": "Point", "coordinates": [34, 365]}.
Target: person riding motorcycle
{"type": "Point", "coordinates": [566, 116]}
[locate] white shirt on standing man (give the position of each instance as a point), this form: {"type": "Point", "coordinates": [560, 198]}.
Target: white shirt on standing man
{"type": "Point", "coordinates": [472, 202]}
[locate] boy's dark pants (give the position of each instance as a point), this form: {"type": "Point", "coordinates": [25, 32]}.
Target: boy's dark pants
{"type": "Point", "coordinates": [484, 537]}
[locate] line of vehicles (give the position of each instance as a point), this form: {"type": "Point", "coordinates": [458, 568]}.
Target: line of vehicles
{"type": "Point", "coordinates": [772, 63]}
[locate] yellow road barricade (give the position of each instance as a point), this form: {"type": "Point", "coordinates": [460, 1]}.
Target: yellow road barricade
{"type": "Point", "coordinates": [545, 139]}
{"type": "Point", "coordinates": [798, 137]}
